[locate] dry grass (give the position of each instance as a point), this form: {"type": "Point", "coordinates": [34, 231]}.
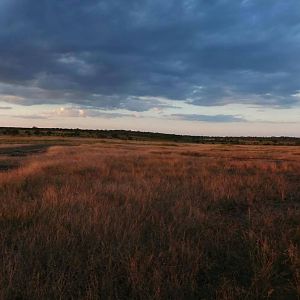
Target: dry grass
{"type": "Point", "coordinates": [138, 221]}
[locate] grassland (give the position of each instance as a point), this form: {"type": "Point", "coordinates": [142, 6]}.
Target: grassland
{"type": "Point", "coordinates": [109, 219]}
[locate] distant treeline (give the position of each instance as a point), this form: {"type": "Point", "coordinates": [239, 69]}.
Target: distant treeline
{"type": "Point", "coordinates": [147, 136]}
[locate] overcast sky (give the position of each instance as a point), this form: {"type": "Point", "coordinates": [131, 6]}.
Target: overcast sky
{"type": "Point", "coordinates": [218, 67]}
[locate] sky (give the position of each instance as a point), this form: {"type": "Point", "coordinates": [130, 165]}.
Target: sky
{"type": "Point", "coordinates": [200, 67]}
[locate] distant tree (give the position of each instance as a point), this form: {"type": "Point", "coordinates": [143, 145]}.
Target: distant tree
{"type": "Point", "coordinates": [14, 131]}
{"type": "Point", "coordinates": [36, 131]}
{"type": "Point", "coordinates": [76, 132]}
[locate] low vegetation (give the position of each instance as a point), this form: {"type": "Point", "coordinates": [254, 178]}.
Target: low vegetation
{"type": "Point", "coordinates": [137, 220]}
{"type": "Point", "coordinates": [146, 136]}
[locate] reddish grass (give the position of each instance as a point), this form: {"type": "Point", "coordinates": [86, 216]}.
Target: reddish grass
{"type": "Point", "coordinates": [137, 221]}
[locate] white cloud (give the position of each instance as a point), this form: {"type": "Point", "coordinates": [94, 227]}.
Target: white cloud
{"type": "Point", "coordinates": [70, 112]}
{"type": "Point", "coordinates": [11, 99]}
{"type": "Point", "coordinates": [297, 95]}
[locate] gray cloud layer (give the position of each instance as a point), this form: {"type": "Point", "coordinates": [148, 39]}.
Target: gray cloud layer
{"type": "Point", "coordinates": [110, 54]}
{"type": "Point", "coordinates": [209, 118]}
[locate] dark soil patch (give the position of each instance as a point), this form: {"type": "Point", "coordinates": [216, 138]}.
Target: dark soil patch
{"type": "Point", "coordinates": [23, 150]}
{"type": "Point", "coordinates": [194, 154]}
{"type": "Point", "coordinates": [6, 166]}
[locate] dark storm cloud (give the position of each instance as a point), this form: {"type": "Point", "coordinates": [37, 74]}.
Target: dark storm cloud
{"type": "Point", "coordinates": [111, 54]}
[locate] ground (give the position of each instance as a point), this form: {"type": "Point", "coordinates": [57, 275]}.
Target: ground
{"type": "Point", "coordinates": [84, 218]}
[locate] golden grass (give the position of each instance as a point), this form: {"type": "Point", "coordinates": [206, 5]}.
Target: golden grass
{"type": "Point", "coordinates": [151, 221]}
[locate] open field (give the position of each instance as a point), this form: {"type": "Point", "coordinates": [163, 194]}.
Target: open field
{"type": "Point", "coordinates": [109, 219]}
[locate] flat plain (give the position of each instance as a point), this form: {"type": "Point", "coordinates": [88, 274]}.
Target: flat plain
{"type": "Point", "coordinates": [110, 219]}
